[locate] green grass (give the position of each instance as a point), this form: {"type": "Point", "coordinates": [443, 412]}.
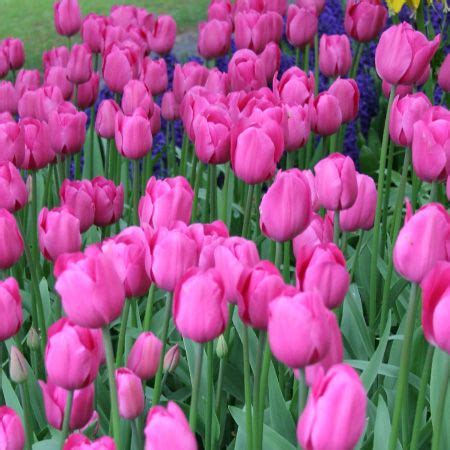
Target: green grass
{"type": "Point", "coordinates": [32, 20]}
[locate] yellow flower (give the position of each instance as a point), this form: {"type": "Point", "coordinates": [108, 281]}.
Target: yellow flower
{"type": "Point", "coordinates": [396, 5]}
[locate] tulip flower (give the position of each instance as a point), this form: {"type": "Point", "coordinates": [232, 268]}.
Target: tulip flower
{"type": "Point", "coordinates": [405, 112]}
{"type": "Point", "coordinates": [57, 56]}
{"type": "Point", "coordinates": [186, 76]}
{"type": "Point", "coordinates": [154, 75]}
{"type": "Point", "coordinates": [4, 62]}
{"type": "Point", "coordinates": [12, 143]}
{"type": "Point", "coordinates": [400, 90]}
{"type": "Point", "coordinates": [170, 109]}
{"type": "Point", "coordinates": [12, 434]}
{"type": "Point", "coordinates": [67, 16]}
{"type": "Point", "coordinates": [335, 414]}
{"type": "Point", "coordinates": [315, 5]}
{"type": "Point", "coordinates": [8, 97]}
{"type": "Point", "coordinates": [296, 126]}
{"type": "Point", "coordinates": [347, 93]}
{"type": "Point", "coordinates": [88, 92]}
{"type": "Point", "coordinates": [72, 355]}
{"type": "Point", "coordinates": [79, 66]}
{"type": "Point", "coordinates": [167, 427]}
{"type": "Point", "coordinates": [27, 80]}
{"type": "Point", "coordinates": [214, 38]}
{"type": "Point", "coordinates": [13, 191]}
{"type": "Point", "coordinates": [444, 75]}
{"type": "Point", "coordinates": [144, 355]}
{"type": "Point", "coordinates": [246, 71]}
{"type": "Point", "coordinates": [55, 399]}
{"type": "Point", "coordinates": [403, 54]}
{"type": "Point", "coordinates": [11, 241]}
{"type": "Point", "coordinates": [336, 183]}
{"type": "Point", "coordinates": [271, 59]}
{"type": "Point", "coordinates": [322, 269]}
{"type": "Point", "coordinates": [93, 32]}
{"type": "Point", "coordinates": [364, 20]}
{"type": "Point", "coordinates": [57, 76]}
{"type": "Point", "coordinates": [161, 38]}
{"type": "Point", "coordinates": [15, 52]}
{"type": "Point", "coordinates": [301, 26]}
{"type": "Point", "coordinates": [130, 394]}
{"type": "Point", "coordinates": [298, 331]}
{"type": "Point", "coordinates": [335, 55]}
{"type": "Point", "coordinates": [326, 114]}
{"type": "Point", "coordinates": [89, 300]}
{"type": "Point", "coordinates": [106, 118]}
{"type": "Point", "coordinates": [136, 95]}
{"type": "Point", "coordinates": [108, 199]}
{"type": "Point", "coordinates": [10, 308]}
{"type": "Point", "coordinates": [422, 242]}
{"type": "Point", "coordinates": [80, 441]}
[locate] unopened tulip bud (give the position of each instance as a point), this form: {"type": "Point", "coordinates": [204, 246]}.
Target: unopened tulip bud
{"type": "Point", "coordinates": [33, 339]}
{"type": "Point", "coordinates": [222, 347]}
{"type": "Point", "coordinates": [171, 359]}
{"type": "Point", "coordinates": [18, 370]}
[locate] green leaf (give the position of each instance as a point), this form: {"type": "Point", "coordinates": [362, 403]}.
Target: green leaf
{"type": "Point", "coordinates": [382, 426]}
{"type": "Point", "coordinates": [48, 444]}
{"type": "Point", "coordinates": [10, 396]}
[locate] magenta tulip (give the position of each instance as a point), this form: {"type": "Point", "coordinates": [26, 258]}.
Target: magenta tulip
{"type": "Point", "coordinates": [301, 26]}
{"type": "Point", "coordinates": [81, 442]}
{"type": "Point", "coordinates": [13, 191]}
{"type": "Point", "coordinates": [79, 66]}
{"type": "Point", "coordinates": [8, 97]}
{"type": "Point", "coordinates": [214, 38]}
{"type": "Point", "coordinates": [130, 394]}
{"type": "Point", "coordinates": [271, 59]}
{"type": "Point", "coordinates": [12, 143]}
{"type": "Point", "coordinates": [246, 71]}
{"type": "Point", "coordinates": [296, 126]}
{"type": "Point", "coordinates": [170, 110]}
{"type": "Point", "coordinates": [57, 56]}
{"type": "Point", "coordinates": [161, 38]}
{"type": "Point", "coordinates": [10, 308]}
{"type": "Point", "coordinates": [364, 20]}
{"type": "Point", "coordinates": [186, 76]}
{"type": "Point", "coordinates": [154, 75]}
{"type": "Point", "coordinates": [335, 55]}
{"type": "Point", "coordinates": [15, 52]}
{"type": "Point", "coordinates": [444, 75]}
{"type": "Point", "coordinates": [93, 32]}
{"type": "Point", "coordinates": [106, 118]}
{"type": "Point", "coordinates": [12, 434]}
{"type": "Point", "coordinates": [319, 231]}
{"type": "Point", "coordinates": [108, 199]}
{"type": "Point", "coordinates": [347, 93]}
{"type": "Point", "coordinates": [27, 80]}
{"type": "Point", "coordinates": [144, 356]}
{"type": "Point", "coordinates": [67, 17]}
{"type": "Point", "coordinates": [88, 92]}
{"type": "Point", "coordinates": [57, 76]}
{"type": "Point", "coordinates": [11, 241]}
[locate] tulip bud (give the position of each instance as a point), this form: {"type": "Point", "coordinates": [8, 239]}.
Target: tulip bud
{"type": "Point", "coordinates": [67, 16]}
{"type": "Point", "coordinates": [154, 75]}
{"type": "Point", "coordinates": [129, 393]}
{"type": "Point", "coordinates": [214, 38]}
{"type": "Point", "coordinates": [326, 114]}
{"type": "Point", "coordinates": [171, 359]}
{"type": "Point", "coordinates": [161, 38]}
{"type": "Point", "coordinates": [18, 370]}
{"type": "Point", "coordinates": [221, 347]}
{"type": "Point", "coordinates": [335, 55]}
{"type": "Point", "coordinates": [106, 118]}
{"type": "Point", "coordinates": [301, 26]}
{"type": "Point", "coordinates": [33, 339]}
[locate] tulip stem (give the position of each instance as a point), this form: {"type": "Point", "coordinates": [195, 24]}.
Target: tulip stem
{"type": "Point", "coordinates": [184, 152]}
{"type": "Point", "coordinates": [394, 231]}
{"type": "Point", "coordinates": [333, 139]}
{"type": "Point", "coordinates": [109, 352]}
{"type": "Point", "coordinates": [289, 160]}
{"type": "Point", "coordinates": [257, 384]}
{"type": "Point", "coordinates": [136, 173]}
{"type": "Point", "coordinates": [91, 142]}
{"type": "Point", "coordinates": [384, 215]}
{"type": "Point", "coordinates": [247, 388]}
{"type": "Point", "coordinates": [402, 381]}
{"type": "Point", "coordinates": [356, 60]}
{"type": "Point", "coordinates": [137, 432]}
{"type": "Point", "coordinates": [158, 386]}
{"type": "Point", "coordinates": [209, 397]}
{"type": "Point", "coordinates": [356, 254]}
{"type": "Point", "coordinates": [25, 397]}
{"type": "Point", "coordinates": [226, 185]}
{"type": "Point", "coordinates": [122, 333]}
{"type": "Point", "coordinates": [198, 180]}
{"type": "Point", "coordinates": [262, 392]}
{"type": "Point", "coordinates": [306, 59]}
{"type": "Point", "coordinates": [437, 423]}
{"type": "Point", "coordinates": [67, 412]}
{"type": "Point", "coordinates": [195, 387]}
{"type": "Point", "coordinates": [316, 64]}
{"type": "Point", "coordinates": [434, 191]}
{"type": "Point", "coordinates": [376, 229]}
{"type": "Point", "coordinates": [149, 308]}
{"type": "Point", "coordinates": [213, 192]}
{"type": "Point", "coordinates": [425, 376]}
{"type": "Point", "coordinates": [248, 210]}
{"type": "Point", "coordinates": [286, 261]}
{"type": "Point", "coordinates": [336, 228]}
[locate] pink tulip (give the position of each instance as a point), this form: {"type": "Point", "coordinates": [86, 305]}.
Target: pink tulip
{"type": "Point", "coordinates": [79, 66]}
{"type": "Point", "coordinates": [403, 54]}
{"type": "Point", "coordinates": [326, 114]}
{"type": "Point", "coordinates": [55, 399]}
{"type": "Point", "coordinates": [165, 202]}
{"type": "Point", "coordinates": [88, 299]}
{"type": "Point", "coordinates": [40, 103]}
{"type": "Point", "coordinates": [57, 56]}
{"type": "Point", "coordinates": [271, 59]}
{"type": "Point", "coordinates": [10, 308]}
{"type": "Point", "coordinates": [186, 76]}
{"type": "Point", "coordinates": [27, 80]}
{"type": "Point", "coordinates": [106, 118]}
{"type": "Point", "coordinates": [335, 55]}
{"type": "Point", "coordinates": [67, 129]}
{"type": "Point", "coordinates": [286, 206]}
{"type": "Point", "coordinates": [12, 434]}
{"type": "Point", "coordinates": [422, 242]}
{"type": "Point", "coordinates": [130, 394]}
{"type": "Point", "coordinates": [444, 75]}
{"type": "Point", "coordinates": [167, 427]}
{"type": "Point", "coordinates": [59, 232]}
{"type": "Point", "coordinates": [315, 5]}
{"type": "Point", "coordinates": [214, 38]}
{"type": "Point", "coordinates": [361, 215]}
{"type": "Point", "coordinates": [364, 20]}
{"type": "Point", "coordinates": [155, 120]}
{"type": "Point", "coordinates": [133, 134]}
{"type": "Point", "coordinates": [72, 355]}
{"type": "Point", "coordinates": [257, 145]}
{"type": "Point", "coordinates": [67, 16]}
{"type": "Point", "coordinates": [322, 269]}
{"type": "Point", "coordinates": [170, 109]}
{"type": "Point", "coordinates": [93, 32]}
{"type": "Point", "coordinates": [57, 76]}
{"type": "Point", "coordinates": [81, 442]}
{"type": "Point", "coordinates": [88, 92]}
{"type": "Point", "coordinates": [154, 75]}
{"type": "Point", "coordinates": [136, 95]}
{"type": "Point", "coordinates": [108, 199]}
{"type": "Point", "coordinates": [298, 331]}
{"type": "Point", "coordinates": [161, 38]}
{"type": "Point", "coordinates": [295, 87]}
{"type": "Point", "coordinates": [8, 97]}
{"type": "Point", "coordinates": [11, 242]}
{"type": "Point", "coordinates": [347, 93]}
{"type": "Point", "coordinates": [220, 10]}
{"type": "Point", "coordinates": [13, 192]}
{"type": "Point", "coordinates": [319, 231]}
{"type": "Point", "coordinates": [246, 71]}
{"type": "Point", "coordinates": [400, 90]}
{"type": "Point", "coordinates": [301, 26]}
{"type": "Point", "coordinates": [296, 126]}
{"type": "Point", "coordinates": [335, 414]}
{"type": "Point", "coordinates": [78, 198]}
{"type": "Point", "coordinates": [12, 143]}
{"type": "Point", "coordinates": [15, 52]}
{"type": "Point", "coordinates": [336, 182]}
{"type": "Point", "coordinates": [4, 62]}
{"type": "Point", "coordinates": [405, 112]}
{"type": "Point", "coordinates": [173, 253]}
{"type": "Point", "coordinates": [257, 288]}
{"type": "Point", "coordinates": [130, 252]}
{"type": "Point", "coordinates": [144, 356]}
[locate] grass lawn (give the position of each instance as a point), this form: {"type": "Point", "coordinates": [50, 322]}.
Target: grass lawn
{"type": "Point", "coordinates": [32, 20]}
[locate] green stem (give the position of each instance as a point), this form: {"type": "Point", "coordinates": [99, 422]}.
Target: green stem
{"type": "Point", "coordinates": [333, 139]}
{"type": "Point", "coordinates": [434, 191]}
{"type": "Point", "coordinates": [402, 381]}
{"type": "Point", "coordinates": [425, 376]}
{"type": "Point", "coordinates": [109, 159]}
{"type": "Point", "coordinates": [257, 383]}
{"type": "Point", "coordinates": [136, 173]}
{"type": "Point", "coordinates": [303, 392]}
{"type": "Point", "coordinates": [158, 386]}
{"type": "Point", "coordinates": [209, 397]}
{"type": "Point", "coordinates": [395, 229]}
{"type": "Point", "coordinates": [286, 261]}
{"type": "Point", "coordinates": [437, 423]}
{"type": "Point", "coordinates": [306, 59]}
{"type": "Point", "coordinates": [122, 333]}
{"type": "Point", "coordinates": [384, 214]}
{"type": "Point", "coordinates": [213, 192]}
{"type": "Point", "coordinates": [357, 252]}
{"type": "Point", "coordinates": [376, 229]}
{"type": "Point", "coordinates": [247, 388]}
{"type": "Point", "coordinates": [91, 142]}
{"type": "Point", "coordinates": [226, 185]}
{"type": "Point", "coordinates": [355, 65]}
{"type": "Point", "coordinates": [289, 160]}
{"type": "Point", "coordinates": [196, 387]}
{"type": "Point", "coordinates": [262, 393]}
{"type": "Point", "coordinates": [115, 419]}
{"type": "Point", "coordinates": [336, 228]}
{"type": "Point", "coordinates": [316, 64]}
{"type": "Point", "coordinates": [25, 397]}
{"type": "Point", "coordinates": [137, 432]}
{"type": "Point", "coordinates": [195, 163]}
{"type": "Point", "coordinates": [248, 210]}
{"type": "Point", "coordinates": [184, 154]}
{"type": "Point", "coordinates": [149, 308]}
{"type": "Point", "coordinates": [67, 412]}
{"type": "Point", "coordinates": [297, 57]}
{"type": "Point", "coordinates": [197, 185]}
{"type": "Point", "coordinates": [34, 214]}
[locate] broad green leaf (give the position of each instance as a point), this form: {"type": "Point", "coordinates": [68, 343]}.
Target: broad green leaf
{"type": "Point", "coordinates": [10, 396]}
{"type": "Point", "coordinates": [382, 426]}
{"type": "Point", "coordinates": [48, 444]}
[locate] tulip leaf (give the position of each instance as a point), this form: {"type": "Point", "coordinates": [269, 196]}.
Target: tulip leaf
{"type": "Point", "coordinates": [10, 396]}
{"type": "Point", "coordinates": [49, 444]}
{"type": "Point", "coordinates": [382, 426]}
{"type": "Point", "coordinates": [45, 295]}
